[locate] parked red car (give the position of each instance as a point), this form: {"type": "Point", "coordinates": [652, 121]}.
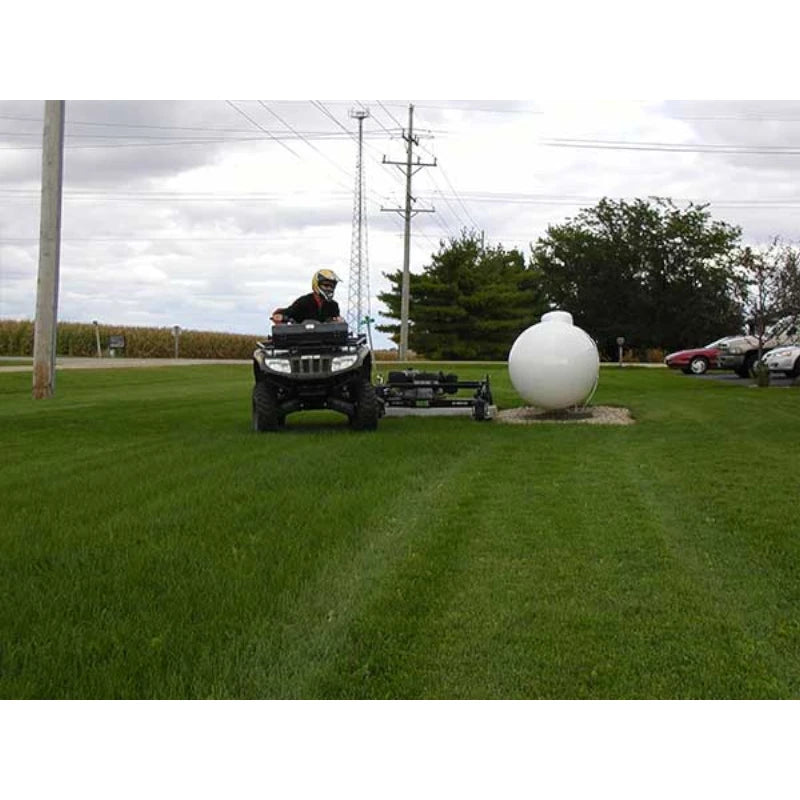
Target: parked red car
{"type": "Point", "coordinates": [696, 361]}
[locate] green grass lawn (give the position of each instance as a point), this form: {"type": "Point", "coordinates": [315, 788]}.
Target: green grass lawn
{"type": "Point", "coordinates": [152, 546]}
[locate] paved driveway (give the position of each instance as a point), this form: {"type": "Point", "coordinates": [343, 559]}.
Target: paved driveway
{"type": "Point", "coordinates": [120, 363]}
{"type": "Point", "coordinates": [722, 376]}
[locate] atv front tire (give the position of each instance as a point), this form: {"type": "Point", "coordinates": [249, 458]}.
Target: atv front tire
{"type": "Point", "coordinates": [365, 417]}
{"type": "Point", "coordinates": [266, 416]}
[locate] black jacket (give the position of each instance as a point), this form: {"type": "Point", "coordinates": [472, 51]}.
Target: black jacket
{"type": "Point", "coordinates": [312, 306]}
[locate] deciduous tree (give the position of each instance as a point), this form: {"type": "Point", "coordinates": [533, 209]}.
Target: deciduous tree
{"type": "Point", "coordinates": [659, 275]}
{"type": "Point", "coordinates": [773, 286]}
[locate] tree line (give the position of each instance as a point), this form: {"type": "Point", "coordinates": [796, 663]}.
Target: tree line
{"type": "Point", "coordinates": [657, 274]}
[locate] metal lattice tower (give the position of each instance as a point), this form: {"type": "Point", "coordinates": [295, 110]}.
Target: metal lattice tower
{"type": "Point", "coordinates": [358, 306]}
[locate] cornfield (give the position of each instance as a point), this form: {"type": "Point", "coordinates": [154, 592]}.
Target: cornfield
{"type": "Point", "coordinates": [79, 339]}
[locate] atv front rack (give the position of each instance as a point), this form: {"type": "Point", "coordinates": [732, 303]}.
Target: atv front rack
{"type": "Point", "coordinates": [310, 334]}
{"type": "Point", "coordinates": [412, 388]}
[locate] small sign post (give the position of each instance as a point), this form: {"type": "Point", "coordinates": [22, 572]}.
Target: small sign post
{"type": "Point", "coordinates": [115, 342]}
{"type": "Point", "coordinates": [176, 332]}
{"type": "Point", "coordinates": [368, 320]}
{"type": "Point", "coordinates": [97, 337]}
{"type": "Point", "coordinates": [620, 342]}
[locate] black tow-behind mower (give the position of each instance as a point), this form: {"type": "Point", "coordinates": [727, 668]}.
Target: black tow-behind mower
{"type": "Point", "coordinates": [413, 388]}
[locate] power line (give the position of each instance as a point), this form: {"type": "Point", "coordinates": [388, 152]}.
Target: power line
{"type": "Point", "coordinates": [376, 119]}
{"type": "Point", "coordinates": [131, 125]}
{"type": "Point", "coordinates": [467, 107]}
{"type": "Point", "coordinates": [454, 213]}
{"type": "Point", "coordinates": [393, 117]}
{"type": "Point", "coordinates": [172, 143]}
{"type": "Point", "coordinates": [499, 198]}
{"type": "Point", "coordinates": [187, 196]}
{"type": "Point", "coordinates": [600, 144]}
{"type": "Point", "coordinates": [457, 197]}
{"type": "Point", "coordinates": [299, 135]}
{"type": "Point", "coordinates": [744, 117]}
{"type": "Point", "coordinates": [312, 146]}
{"type": "Point", "coordinates": [150, 137]}
{"type": "Point", "coordinates": [455, 193]}
{"type": "Point", "coordinates": [347, 134]}
{"type": "Point", "coordinates": [320, 107]}
{"type": "Point", "coordinates": [437, 218]}
{"type": "Point", "coordinates": [260, 127]}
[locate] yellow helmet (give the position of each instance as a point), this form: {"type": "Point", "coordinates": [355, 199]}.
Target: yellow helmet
{"type": "Point", "coordinates": [324, 283]}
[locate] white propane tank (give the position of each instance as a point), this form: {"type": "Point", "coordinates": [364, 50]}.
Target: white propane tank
{"type": "Point", "coordinates": [554, 364]}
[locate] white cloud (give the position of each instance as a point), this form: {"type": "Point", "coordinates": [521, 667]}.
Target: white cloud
{"type": "Point", "coordinates": [214, 234]}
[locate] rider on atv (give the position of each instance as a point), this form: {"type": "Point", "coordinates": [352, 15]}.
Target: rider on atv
{"type": "Point", "coordinates": [318, 304]}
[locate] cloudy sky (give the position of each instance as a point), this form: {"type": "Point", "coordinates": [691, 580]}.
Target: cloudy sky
{"type": "Point", "coordinates": [208, 214]}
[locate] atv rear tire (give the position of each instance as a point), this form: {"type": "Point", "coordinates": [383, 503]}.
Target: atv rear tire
{"type": "Point", "coordinates": [266, 416]}
{"type": "Point", "coordinates": [365, 417]}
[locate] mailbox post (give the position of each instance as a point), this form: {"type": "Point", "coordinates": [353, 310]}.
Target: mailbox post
{"type": "Point", "coordinates": [116, 344]}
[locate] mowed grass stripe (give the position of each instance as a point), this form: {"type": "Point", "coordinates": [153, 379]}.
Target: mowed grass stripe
{"type": "Point", "coordinates": [145, 519]}
{"type": "Point", "coordinates": [155, 547]}
{"type": "Point", "coordinates": [740, 565]}
{"type": "Point", "coordinates": [510, 589]}
{"type": "Point", "coordinates": [362, 563]}
{"type": "Point", "coordinates": [608, 597]}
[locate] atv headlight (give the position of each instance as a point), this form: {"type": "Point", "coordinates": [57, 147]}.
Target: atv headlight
{"type": "Point", "coordinates": [278, 365]}
{"type": "Point", "coordinates": [338, 363]}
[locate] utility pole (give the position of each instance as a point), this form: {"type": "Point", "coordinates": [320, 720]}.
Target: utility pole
{"type": "Point", "coordinates": [358, 291]}
{"type": "Point", "coordinates": [411, 167]}
{"type": "Point", "coordinates": [45, 326]}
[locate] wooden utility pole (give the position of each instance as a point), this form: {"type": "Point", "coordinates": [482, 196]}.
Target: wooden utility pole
{"type": "Point", "coordinates": [410, 168]}
{"type": "Point", "coordinates": [44, 332]}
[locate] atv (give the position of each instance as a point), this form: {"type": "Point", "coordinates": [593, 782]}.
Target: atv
{"type": "Point", "coordinates": [313, 365]}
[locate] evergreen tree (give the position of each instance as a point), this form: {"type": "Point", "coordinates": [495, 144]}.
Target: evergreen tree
{"type": "Point", "coordinates": [469, 303]}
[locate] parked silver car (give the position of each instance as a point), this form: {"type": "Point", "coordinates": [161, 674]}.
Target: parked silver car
{"type": "Point", "coordinates": [784, 359]}
{"type": "Point", "coordinates": [740, 353]}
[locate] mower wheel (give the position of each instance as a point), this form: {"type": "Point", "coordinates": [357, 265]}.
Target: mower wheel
{"type": "Point", "coordinates": [448, 382]}
{"type": "Point", "coordinates": [479, 410]}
